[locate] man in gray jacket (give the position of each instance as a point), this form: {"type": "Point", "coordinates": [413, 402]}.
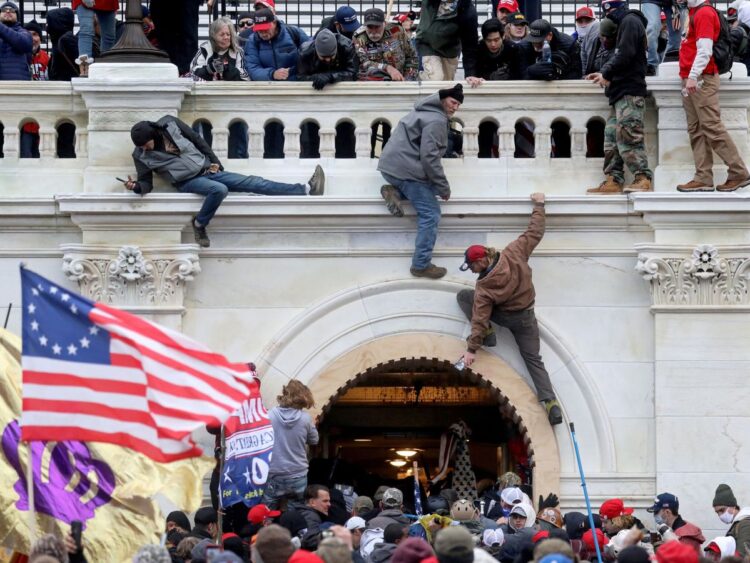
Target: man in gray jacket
{"type": "Point", "coordinates": [171, 148]}
{"type": "Point", "coordinates": [411, 165]}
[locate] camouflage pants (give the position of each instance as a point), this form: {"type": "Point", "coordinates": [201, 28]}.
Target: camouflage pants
{"type": "Point", "coordinates": [624, 139]}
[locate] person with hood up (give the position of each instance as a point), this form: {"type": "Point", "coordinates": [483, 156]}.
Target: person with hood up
{"type": "Point", "coordinates": [15, 45]}
{"type": "Point", "coordinates": [671, 525]}
{"type": "Point", "coordinates": [60, 21]}
{"type": "Point", "coordinates": [393, 534]}
{"type": "Point", "coordinates": [720, 547]}
{"type": "Point", "coordinates": [624, 78]}
{"type": "Point", "coordinates": [411, 164]}
{"type": "Point", "coordinates": [519, 531]}
{"type": "Point", "coordinates": [293, 431]}
{"type": "Point", "coordinates": [727, 509]}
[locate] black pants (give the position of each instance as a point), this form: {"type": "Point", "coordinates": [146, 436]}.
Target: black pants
{"type": "Point", "coordinates": [176, 25]}
{"type": "Point", "coordinates": [524, 328]}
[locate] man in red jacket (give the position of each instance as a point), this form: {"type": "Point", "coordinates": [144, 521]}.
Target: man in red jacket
{"type": "Point", "coordinates": [505, 295]}
{"type": "Point", "coordinates": [670, 524]}
{"type": "Point", "coordinates": [700, 81]}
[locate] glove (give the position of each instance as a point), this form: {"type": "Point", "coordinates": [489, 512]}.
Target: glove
{"type": "Point", "coordinates": [542, 71]}
{"type": "Point", "coordinates": [551, 501]}
{"type": "Point", "coordinates": [321, 80]}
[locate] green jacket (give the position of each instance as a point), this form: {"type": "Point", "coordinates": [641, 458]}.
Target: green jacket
{"type": "Point", "coordinates": [740, 531]}
{"type": "Point", "coordinates": [446, 25]}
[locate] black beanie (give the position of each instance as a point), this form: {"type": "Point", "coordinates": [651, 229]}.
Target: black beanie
{"type": "Point", "coordinates": [179, 518]}
{"type": "Point", "coordinates": [34, 26]}
{"type": "Point", "coordinates": [457, 93]}
{"type": "Point", "coordinates": [142, 132]}
{"type": "Point", "coordinates": [633, 554]}
{"type": "Point", "coordinates": [724, 496]}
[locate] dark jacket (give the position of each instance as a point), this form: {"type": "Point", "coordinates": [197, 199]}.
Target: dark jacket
{"type": "Point", "coordinates": [344, 67]}
{"type": "Point", "coordinates": [15, 50]}
{"type": "Point", "coordinates": [566, 58]}
{"type": "Point", "coordinates": [59, 22]}
{"type": "Point", "coordinates": [444, 35]}
{"type": "Point", "coordinates": [145, 171]}
{"type": "Point", "coordinates": [262, 58]}
{"type": "Point", "coordinates": [382, 552]}
{"type": "Point", "coordinates": [626, 70]}
{"type": "Point", "coordinates": [501, 66]}
{"type": "Point", "coordinates": [389, 516]}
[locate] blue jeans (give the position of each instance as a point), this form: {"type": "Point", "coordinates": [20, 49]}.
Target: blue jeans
{"type": "Point", "coordinates": [216, 187]}
{"type": "Point", "coordinates": [86, 32]}
{"type": "Point", "coordinates": [29, 145]}
{"type": "Point", "coordinates": [237, 142]}
{"type": "Point", "coordinates": [653, 15]}
{"type": "Point", "coordinates": [422, 197]}
{"type": "Point", "coordinates": [278, 487]}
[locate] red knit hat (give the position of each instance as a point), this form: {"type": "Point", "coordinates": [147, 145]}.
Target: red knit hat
{"type": "Point", "coordinates": [613, 508]}
{"type": "Point", "coordinates": [302, 556]}
{"type": "Point", "coordinates": [412, 550]}
{"type": "Point", "coordinates": [588, 540]}
{"type": "Point", "coordinates": [676, 552]}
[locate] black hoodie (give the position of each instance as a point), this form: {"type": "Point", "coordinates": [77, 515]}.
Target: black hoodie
{"type": "Point", "coordinates": [626, 69]}
{"type": "Point", "coordinates": [59, 22]}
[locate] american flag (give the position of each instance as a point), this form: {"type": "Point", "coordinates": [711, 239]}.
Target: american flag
{"type": "Point", "coordinates": [94, 373]}
{"type": "Point", "coordinates": [417, 490]}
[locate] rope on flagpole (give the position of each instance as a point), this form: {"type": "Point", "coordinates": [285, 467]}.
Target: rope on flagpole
{"type": "Point", "coordinates": [30, 493]}
{"type": "Point", "coordinates": [7, 315]}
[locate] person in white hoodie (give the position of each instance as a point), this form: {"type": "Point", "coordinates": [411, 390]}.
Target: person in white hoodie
{"type": "Point", "coordinates": [721, 547]}
{"type": "Point", "coordinates": [293, 431]}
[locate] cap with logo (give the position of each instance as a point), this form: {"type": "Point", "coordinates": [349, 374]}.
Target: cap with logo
{"type": "Point", "coordinates": [393, 498]}
{"type": "Point", "coordinates": [260, 4]}
{"type": "Point", "coordinates": [509, 6]}
{"type": "Point", "coordinates": [552, 515]}
{"type": "Point", "coordinates": [355, 523]}
{"type": "Point", "coordinates": [347, 18]}
{"type": "Point", "coordinates": [613, 508]}
{"type": "Point", "coordinates": [665, 500]}
{"type": "Point", "coordinates": [517, 18]}
{"type": "Point", "coordinates": [374, 16]}
{"type": "Point", "coordinates": [264, 19]}
{"type": "Point", "coordinates": [538, 31]}
{"type": "Point", "coordinates": [612, 4]}
{"type": "Point", "coordinates": [260, 512]}
{"type": "Point", "coordinates": [472, 254]}
{"type": "Point", "coordinates": [584, 12]}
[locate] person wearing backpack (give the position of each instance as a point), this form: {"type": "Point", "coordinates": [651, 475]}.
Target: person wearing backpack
{"type": "Point", "coordinates": [703, 55]}
{"type": "Point", "coordinates": [271, 52]}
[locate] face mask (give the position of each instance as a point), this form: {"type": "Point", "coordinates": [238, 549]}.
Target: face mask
{"type": "Point", "coordinates": [658, 519]}
{"type": "Point", "coordinates": [583, 30]}
{"type": "Point", "coordinates": [506, 512]}
{"type": "Point", "coordinates": [725, 516]}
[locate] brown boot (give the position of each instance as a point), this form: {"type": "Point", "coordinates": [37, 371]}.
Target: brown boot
{"type": "Point", "coordinates": [642, 183]}
{"type": "Point", "coordinates": [608, 186]}
{"type": "Point", "coordinates": [694, 186]}
{"type": "Point", "coordinates": [432, 272]}
{"type": "Point", "coordinates": [731, 185]}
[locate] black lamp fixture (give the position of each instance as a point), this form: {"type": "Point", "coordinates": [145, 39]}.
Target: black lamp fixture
{"type": "Point", "coordinates": [133, 47]}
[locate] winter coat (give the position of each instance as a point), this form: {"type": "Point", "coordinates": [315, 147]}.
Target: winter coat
{"type": "Point", "coordinates": [445, 26]}
{"type": "Point", "coordinates": [501, 66]}
{"type": "Point", "coordinates": [15, 50]}
{"type": "Point", "coordinates": [371, 537]}
{"type": "Point", "coordinates": [103, 5]}
{"type": "Point", "coordinates": [417, 144]}
{"type": "Point", "coordinates": [172, 167]}
{"type": "Point", "coordinates": [59, 22]}
{"type": "Point", "coordinates": [382, 552]}
{"type": "Point", "coordinates": [394, 48]}
{"type": "Point", "coordinates": [566, 58]}
{"type": "Point", "coordinates": [203, 63]}
{"type": "Point", "coordinates": [740, 531]}
{"type": "Point", "coordinates": [344, 67]}
{"type": "Point", "coordinates": [626, 70]}
{"type": "Point", "coordinates": [689, 534]}
{"type": "Point", "coordinates": [293, 430]}
{"type": "Point", "coordinates": [589, 46]}
{"type": "Point", "coordinates": [262, 58]}
{"type": "Point", "coordinates": [389, 516]}
{"type": "Point", "coordinates": [507, 286]}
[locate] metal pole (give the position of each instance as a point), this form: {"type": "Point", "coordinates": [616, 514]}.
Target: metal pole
{"type": "Point", "coordinates": [30, 493]}
{"type": "Point", "coordinates": [7, 315]}
{"type": "Point", "coordinates": [220, 517]}
{"type": "Point", "coordinates": [586, 494]}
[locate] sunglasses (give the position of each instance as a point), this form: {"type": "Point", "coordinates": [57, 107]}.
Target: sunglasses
{"type": "Point", "coordinates": [245, 23]}
{"type": "Point", "coordinates": [8, 10]}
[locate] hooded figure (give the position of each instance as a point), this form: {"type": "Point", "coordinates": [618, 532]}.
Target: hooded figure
{"type": "Point", "coordinates": [59, 22]}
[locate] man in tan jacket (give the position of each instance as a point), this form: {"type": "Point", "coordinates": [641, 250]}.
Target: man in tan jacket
{"type": "Point", "coordinates": [505, 295]}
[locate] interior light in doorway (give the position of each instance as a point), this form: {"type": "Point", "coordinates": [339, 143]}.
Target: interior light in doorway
{"type": "Point", "coordinates": [398, 462]}
{"type": "Point", "coordinates": [362, 440]}
{"type": "Point", "coordinates": [406, 453]}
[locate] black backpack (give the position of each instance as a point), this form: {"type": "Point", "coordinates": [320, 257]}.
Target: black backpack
{"type": "Point", "coordinates": [723, 51]}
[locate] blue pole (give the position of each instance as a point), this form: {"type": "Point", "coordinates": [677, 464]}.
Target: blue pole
{"type": "Point", "coordinates": [586, 494]}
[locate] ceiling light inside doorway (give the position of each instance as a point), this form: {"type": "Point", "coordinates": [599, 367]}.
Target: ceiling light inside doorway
{"type": "Point", "coordinates": [397, 462]}
{"type": "Point", "coordinates": [362, 439]}
{"type": "Point", "coordinates": [406, 453]}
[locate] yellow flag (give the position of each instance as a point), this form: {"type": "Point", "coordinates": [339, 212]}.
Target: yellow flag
{"type": "Point", "coordinates": [109, 488]}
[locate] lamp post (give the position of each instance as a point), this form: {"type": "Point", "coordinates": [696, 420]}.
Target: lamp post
{"type": "Point", "coordinates": [133, 47]}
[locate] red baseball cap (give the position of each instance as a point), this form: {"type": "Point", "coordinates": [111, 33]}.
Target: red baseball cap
{"type": "Point", "coordinates": [509, 5]}
{"type": "Point", "coordinates": [613, 508]}
{"type": "Point", "coordinates": [473, 253]}
{"type": "Point", "coordinates": [588, 539]}
{"type": "Point", "coordinates": [585, 12]}
{"type": "Point", "coordinates": [663, 16]}
{"type": "Point", "coordinates": [260, 512]}
{"type": "Point", "coordinates": [267, 3]}
{"type": "Point", "coordinates": [539, 536]}
{"type": "Point", "coordinates": [676, 552]}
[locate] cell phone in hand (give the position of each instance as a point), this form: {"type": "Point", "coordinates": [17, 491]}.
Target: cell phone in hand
{"type": "Point", "coordinates": [75, 531]}
{"type": "Point", "coordinates": [121, 180]}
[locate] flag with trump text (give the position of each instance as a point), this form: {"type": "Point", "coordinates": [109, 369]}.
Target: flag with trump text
{"type": "Point", "coordinates": [98, 374]}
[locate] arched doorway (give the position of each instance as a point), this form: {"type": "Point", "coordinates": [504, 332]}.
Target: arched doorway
{"type": "Point", "coordinates": [394, 413]}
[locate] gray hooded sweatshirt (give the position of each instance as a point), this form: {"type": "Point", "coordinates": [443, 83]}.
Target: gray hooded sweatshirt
{"type": "Point", "coordinates": [293, 429]}
{"type": "Point", "coordinates": [416, 147]}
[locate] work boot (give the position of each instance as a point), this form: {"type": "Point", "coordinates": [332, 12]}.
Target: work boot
{"type": "Point", "coordinates": [608, 186]}
{"type": "Point", "coordinates": [490, 339]}
{"type": "Point", "coordinates": [731, 185]}
{"type": "Point", "coordinates": [201, 237]}
{"type": "Point", "coordinates": [554, 413]}
{"type": "Point", "coordinates": [642, 184]}
{"type": "Point", "coordinates": [83, 62]}
{"type": "Point", "coordinates": [317, 181]}
{"type": "Point", "coordinates": [392, 200]}
{"type": "Point", "coordinates": [694, 186]}
{"type": "Point", "coordinates": [432, 272]}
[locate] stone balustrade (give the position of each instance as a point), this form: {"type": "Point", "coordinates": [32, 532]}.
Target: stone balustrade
{"type": "Point", "coordinates": [563, 120]}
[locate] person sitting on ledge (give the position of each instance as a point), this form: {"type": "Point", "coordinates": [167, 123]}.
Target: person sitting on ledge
{"type": "Point", "coordinates": [505, 295]}
{"type": "Point", "coordinates": [171, 148]}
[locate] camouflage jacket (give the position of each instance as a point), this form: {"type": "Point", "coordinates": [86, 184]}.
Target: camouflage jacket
{"type": "Point", "coordinates": [394, 49]}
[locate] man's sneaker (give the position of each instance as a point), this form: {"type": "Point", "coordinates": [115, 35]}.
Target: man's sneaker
{"type": "Point", "coordinates": [392, 200]}
{"type": "Point", "coordinates": [642, 183]}
{"type": "Point", "coordinates": [432, 272]}
{"type": "Point", "coordinates": [201, 237]}
{"type": "Point", "coordinates": [554, 413]}
{"type": "Point", "coordinates": [731, 185]}
{"type": "Point", "coordinates": [490, 340]}
{"type": "Point", "coordinates": [694, 186]}
{"type": "Point", "coordinates": [317, 181]}
{"type": "Point", "coordinates": [608, 186]}
{"type": "Point", "coordinates": [650, 70]}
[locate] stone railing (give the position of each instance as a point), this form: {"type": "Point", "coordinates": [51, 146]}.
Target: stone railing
{"type": "Point", "coordinates": [562, 120]}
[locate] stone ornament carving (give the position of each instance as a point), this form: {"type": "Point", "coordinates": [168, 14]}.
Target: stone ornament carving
{"type": "Point", "coordinates": [704, 279]}
{"type": "Point", "coordinates": [122, 120]}
{"type": "Point", "coordinates": [132, 278]}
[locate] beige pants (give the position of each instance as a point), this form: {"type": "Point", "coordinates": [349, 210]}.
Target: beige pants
{"type": "Point", "coordinates": [707, 133]}
{"type": "Point", "coordinates": [438, 68]}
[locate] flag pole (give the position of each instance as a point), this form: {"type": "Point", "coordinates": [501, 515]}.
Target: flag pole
{"type": "Point", "coordinates": [7, 315]}
{"type": "Point", "coordinates": [220, 516]}
{"type": "Point", "coordinates": [30, 494]}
